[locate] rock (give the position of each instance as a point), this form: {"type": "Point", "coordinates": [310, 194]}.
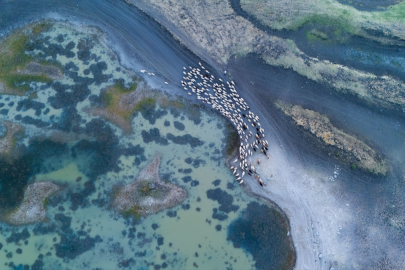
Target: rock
{"type": "Point", "coordinates": [33, 207]}
{"type": "Point", "coordinates": [148, 194]}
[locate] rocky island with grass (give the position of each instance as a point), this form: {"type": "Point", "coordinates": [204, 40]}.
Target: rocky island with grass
{"type": "Point", "coordinates": [346, 148]}
{"type": "Point", "coordinates": [148, 194]}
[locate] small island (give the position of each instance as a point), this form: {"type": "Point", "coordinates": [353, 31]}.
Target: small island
{"type": "Point", "coordinates": [347, 148]}
{"type": "Point", "coordinates": [148, 194]}
{"type": "Point", "coordinates": [33, 207]}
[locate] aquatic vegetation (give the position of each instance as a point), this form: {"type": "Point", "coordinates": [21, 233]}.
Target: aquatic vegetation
{"type": "Point", "coordinates": [113, 99]}
{"type": "Point", "coordinates": [232, 140]}
{"type": "Point", "coordinates": [13, 59]}
{"type": "Point", "coordinates": [179, 104]}
{"type": "Point", "coordinates": [132, 212]}
{"type": "Point", "coordinates": [41, 26]}
{"type": "Point", "coordinates": [254, 232]}
{"type": "Point", "coordinates": [145, 105]}
{"type": "Point", "coordinates": [316, 35]}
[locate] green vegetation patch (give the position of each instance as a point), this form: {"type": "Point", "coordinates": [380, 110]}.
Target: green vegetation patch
{"type": "Point", "coordinates": [145, 188]}
{"type": "Point", "coordinates": [111, 99]}
{"type": "Point", "coordinates": [353, 166]}
{"type": "Point", "coordinates": [150, 188]}
{"type": "Point", "coordinates": [134, 212]}
{"type": "Point", "coordinates": [14, 58]}
{"type": "Point", "coordinates": [121, 88]}
{"type": "Point", "coordinates": [41, 27]}
{"type": "Point", "coordinates": [179, 105]}
{"type": "Point", "coordinates": [46, 202]}
{"type": "Point", "coordinates": [146, 104]}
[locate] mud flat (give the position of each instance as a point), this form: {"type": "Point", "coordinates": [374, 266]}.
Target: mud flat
{"type": "Point", "coordinates": [148, 194]}
{"type": "Point", "coordinates": [346, 147]}
{"type": "Point", "coordinates": [33, 207]}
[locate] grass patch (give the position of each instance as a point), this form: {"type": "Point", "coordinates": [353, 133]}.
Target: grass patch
{"type": "Point", "coordinates": [21, 81]}
{"type": "Point", "coordinates": [107, 98]}
{"type": "Point", "coordinates": [111, 99]}
{"type": "Point", "coordinates": [121, 88]}
{"type": "Point", "coordinates": [13, 58]}
{"type": "Point", "coordinates": [41, 27]}
{"type": "Point", "coordinates": [353, 166]}
{"type": "Point", "coordinates": [132, 212]}
{"type": "Point", "coordinates": [46, 202]}
{"type": "Point", "coordinates": [166, 103]}
{"type": "Point", "coordinates": [316, 35]}
{"type": "Point", "coordinates": [151, 189]}
{"type": "Point", "coordinates": [145, 104]}
{"type": "Point", "coordinates": [145, 188]}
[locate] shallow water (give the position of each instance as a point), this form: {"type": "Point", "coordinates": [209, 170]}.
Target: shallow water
{"type": "Point", "coordinates": [90, 157]}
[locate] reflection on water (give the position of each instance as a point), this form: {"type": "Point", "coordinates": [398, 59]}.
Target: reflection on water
{"type": "Point", "coordinates": [62, 138]}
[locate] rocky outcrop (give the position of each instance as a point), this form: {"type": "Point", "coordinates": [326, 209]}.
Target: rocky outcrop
{"type": "Point", "coordinates": [148, 194]}
{"type": "Point", "coordinates": [360, 154]}
{"type": "Point", "coordinates": [33, 207]}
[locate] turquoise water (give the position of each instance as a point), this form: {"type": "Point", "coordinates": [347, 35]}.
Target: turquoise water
{"type": "Point", "coordinates": [65, 142]}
